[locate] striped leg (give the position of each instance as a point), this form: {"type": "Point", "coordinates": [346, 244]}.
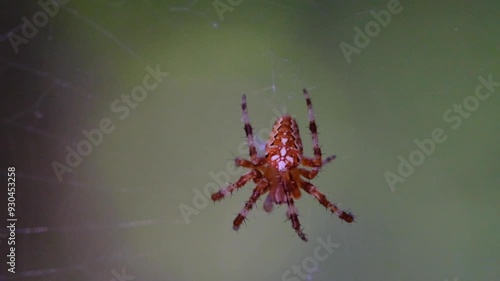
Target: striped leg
{"type": "Point", "coordinates": [317, 162]}
{"type": "Point", "coordinates": [292, 213]}
{"type": "Point", "coordinates": [309, 162]}
{"type": "Point", "coordinates": [313, 190]}
{"type": "Point", "coordinates": [260, 189]}
{"type": "Point", "coordinates": [240, 162]}
{"type": "Point", "coordinates": [293, 216]}
{"type": "Point", "coordinates": [253, 174]}
{"type": "Point", "coordinates": [308, 174]}
{"type": "Point", "coordinates": [328, 160]}
{"type": "Point", "coordinates": [248, 130]}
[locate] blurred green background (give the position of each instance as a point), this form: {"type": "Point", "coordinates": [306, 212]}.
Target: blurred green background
{"type": "Point", "coordinates": [120, 208]}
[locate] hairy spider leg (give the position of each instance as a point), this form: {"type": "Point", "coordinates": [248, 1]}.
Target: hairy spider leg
{"type": "Point", "coordinates": [314, 172]}
{"type": "Point", "coordinates": [248, 130]}
{"type": "Point", "coordinates": [255, 160]}
{"type": "Point", "coordinates": [292, 213]}
{"type": "Point", "coordinates": [317, 160]}
{"type": "Point", "coordinates": [260, 189]}
{"type": "Point", "coordinates": [253, 174]}
{"type": "Point", "coordinates": [313, 190]}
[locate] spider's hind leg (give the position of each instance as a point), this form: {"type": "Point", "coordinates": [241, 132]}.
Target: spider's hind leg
{"type": "Point", "coordinates": [253, 174]}
{"type": "Point", "coordinates": [313, 190]}
{"type": "Point", "coordinates": [294, 217]}
{"type": "Point", "coordinates": [260, 189]}
{"type": "Point", "coordinates": [290, 190]}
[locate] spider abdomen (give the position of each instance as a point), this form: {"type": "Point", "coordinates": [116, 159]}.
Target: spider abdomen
{"type": "Point", "coordinates": [284, 146]}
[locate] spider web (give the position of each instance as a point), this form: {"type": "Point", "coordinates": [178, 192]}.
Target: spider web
{"type": "Point", "coordinates": [87, 226]}
{"type": "Point", "coordinates": [29, 122]}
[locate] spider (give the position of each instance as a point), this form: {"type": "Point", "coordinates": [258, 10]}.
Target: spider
{"type": "Point", "coordinates": [279, 172]}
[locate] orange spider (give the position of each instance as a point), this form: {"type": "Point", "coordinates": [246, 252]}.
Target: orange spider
{"type": "Point", "coordinates": [278, 172]}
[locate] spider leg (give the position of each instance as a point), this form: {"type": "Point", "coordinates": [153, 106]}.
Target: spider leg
{"type": "Point", "coordinates": [260, 189]}
{"type": "Point", "coordinates": [240, 162]}
{"type": "Point", "coordinates": [308, 174]}
{"type": "Point", "coordinates": [317, 162]}
{"type": "Point", "coordinates": [328, 160]}
{"type": "Point", "coordinates": [313, 190]}
{"type": "Point", "coordinates": [292, 213]}
{"type": "Point", "coordinates": [248, 130]}
{"type": "Point", "coordinates": [253, 174]}
{"type": "Point", "coordinates": [310, 162]}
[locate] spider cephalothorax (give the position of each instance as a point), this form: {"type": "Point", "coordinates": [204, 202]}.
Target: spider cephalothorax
{"type": "Point", "coordinates": [279, 171]}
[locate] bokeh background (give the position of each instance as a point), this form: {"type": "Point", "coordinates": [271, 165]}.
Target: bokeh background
{"type": "Point", "coordinates": [118, 214]}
